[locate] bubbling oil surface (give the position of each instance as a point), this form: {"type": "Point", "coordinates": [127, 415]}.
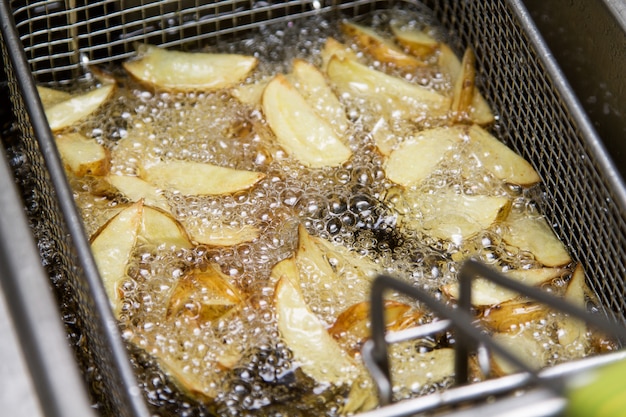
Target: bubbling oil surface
{"type": "Point", "coordinates": [352, 205]}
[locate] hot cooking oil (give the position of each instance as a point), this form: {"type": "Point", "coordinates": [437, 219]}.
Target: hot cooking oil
{"type": "Point", "coordinates": [239, 359]}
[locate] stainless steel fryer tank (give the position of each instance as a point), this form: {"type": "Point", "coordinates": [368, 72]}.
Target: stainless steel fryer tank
{"type": "Point", "coordinates": [540, 118]}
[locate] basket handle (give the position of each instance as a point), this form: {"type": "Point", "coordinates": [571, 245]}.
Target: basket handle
{"type": "Point", "coordinates": [467, 335]}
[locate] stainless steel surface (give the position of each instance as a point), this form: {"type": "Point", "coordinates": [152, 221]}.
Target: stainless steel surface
{"type": "Point", "coordinates": [588, 39]}
{"type": "Point", "coordinates": [17, 393]}
{"type": "Point", "coordinates": [540, 117]}
{"type": "Point", "coordinates": [36, 320]}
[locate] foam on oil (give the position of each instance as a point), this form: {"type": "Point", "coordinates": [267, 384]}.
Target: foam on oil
{"type": "Point", "coordinates": [240, 357]}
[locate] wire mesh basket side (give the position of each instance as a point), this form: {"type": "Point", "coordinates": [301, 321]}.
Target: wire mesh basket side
{"type": "Point", "coordinates": [87, 331]}
{"type": "Point", "coordinates": [577, 199]}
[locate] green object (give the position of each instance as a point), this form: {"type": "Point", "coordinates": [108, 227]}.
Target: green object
{"type": "Point", "coordinates": [598, 393]}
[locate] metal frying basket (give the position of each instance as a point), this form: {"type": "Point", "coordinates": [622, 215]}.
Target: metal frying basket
{"type": "Point", "coordinates": [538, 116]}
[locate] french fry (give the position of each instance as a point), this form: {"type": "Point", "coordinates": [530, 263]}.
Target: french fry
{"type": "Point", "coordinates": [380, 48]}
{"type": "Point", "coordinates": [455, 217]}
{"type": "Point", "coordinates": [311, 84]}
{"type": "Point", "coordinates": [83, 156]}
{"type": "Point", "coordinates": [486, 293]}
{"type": "Point", "coordinates": [112, 246]}
{"type": "Point", "coordinates": [533, 234]}
{"type": "Point", "coordinates": [203, 296]}
{"type": "Point", "coordinates": [417, 42]}
{"type": "Point", "coordinates": [416, 157]}
{"type": "Point", "coordinates": [62, 114]}
{"type": "Point", "coordinates": [188, 71]}
{"type": "Point", "coordinates": [314, 350]}
{"type": "Point", "coordinates": [196, 178]}
{"type": "Point", "coordinates": [300, 131]}
{"type": "Point", "coordinates": [135, 189]}
{"type": "Point", "coordinates": [499, 159]}
{"type": "Point", "coordinates": [159, 227]}
{"type": "Point", "coordinates": [395, 96]}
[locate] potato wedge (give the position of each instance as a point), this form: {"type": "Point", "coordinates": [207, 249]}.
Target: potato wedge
{"type": "Point", "coordinates": [203, 296]}
{"type": "Point", "coordinates": [352, 326]}
{"type": "Point", "coordinates": [464, 87]}
{"type": "Point", "coordinates": [572, 330]}
{"type": "Point", "coordinates": [314, 350]}
{"type": "Point", "coordinates": [513, 315]}
{"type": "Point", "coordinates": [189, 71]}
{"type": "Point", "coordinates": [311, 84]}
{"type": "Point", "coordinates": [456, 217]}
{"type": "Point", "coordinates": [63, 114]}
{"type": "Point", "coordinates": [203, 380]}
{"type": "Point", "coordinates": [332, 48]}
{"type": "Point", "coordinates": [135, 189]}
{"type": "Point", "coordinates": [197, 178]}
{"type": "Point", "coordinates": [335, 276]}
{"type": "Point", "coordinates": [49, 96]}
{"type": "Point", "coordinates": [485, 292]}
{"type": "Point", "coordinates": [159, 227]}
{"type": "Point", "coordinates": [396, 97]}
{"type": "Point", "coordinates": [83, 156]}
{"type": "Point", "coordinates": [533, 234]}
{"type": "Point", "coordinates": [221, 234]}
{"type": "Point", "coordinates": [417, 42]}
{"type": "Point", "coordinates": [250, 93]}
{"type": "Point", "coordinates": [499, 159]}
{"type": "Point", "coordinates": [479, 111]}
{"type": "Point", "coordinates": [525, 346]}
{"type": "Point", "coordinates": [300, 131]}
{"type": "Point", "coordinates": [412, 370]}
{"type": "Point", "coordinates": [380, 48]}
{"type": "Point", "coordinates": [112, 246]}
{"type": "Point", "coordinates": [416, 157]}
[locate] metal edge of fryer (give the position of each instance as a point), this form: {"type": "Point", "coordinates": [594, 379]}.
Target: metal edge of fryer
{"type": "Point", "coordinates": [56, 380]}
{"type": "Point", "coordinates": [596, 146]}
{"type": "Point", "coordinates": [136, 407]}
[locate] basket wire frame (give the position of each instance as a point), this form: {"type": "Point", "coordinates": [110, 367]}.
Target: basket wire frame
{"type": "Point", "coordinates": [61, 38]}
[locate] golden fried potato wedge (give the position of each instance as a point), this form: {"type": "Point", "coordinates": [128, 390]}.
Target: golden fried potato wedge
{"type": "Point", "coordinates": [572, 330]}
{"type": "Point", "coordinates": [380, 48]}
{"type": "Point", "coordinates": [456, 217]}
{"type": "Point", "coordinates": [416, 157]}
{"type": "Point", "coordinates": [251, 93]}
{"type": "Point", "coordinates": [83, 156]}
{"type": "Point", "coordinates": [525, 346]}
{"type": "Point", "coordinates": [464, 87]}
{"type": "Point", "coordinates": [314, 350]}
{"type": "Point", "coordinates": [411, 370]}
{"type": "Point", "coordinates": [135, 189]}
{"type": "Point", "coordinates": [533, 234]}
{"type": "Point", "coordinates": [189, 71]}
{"type": "Point", "coordinates": [203, 296]}
{"type": "Point", "coordinates": [417, 42]}
{"type": "Point", "coordinates": [65, 113]}
{"type": "Point", "coordinates": [159, 227]}
{"type": "Point", "coordinates": [332, 47]}
{"type": "Point", "coordinates": [49, 96]}
{"type": "Point", "coordinates": [499, 159]}
{"type": "Point", "coordinates": [485, 292]}
{"type": "Point", "coordinates": [312, 85]}
{"type": "Point", "coordinates": [352, 326]}
{"type": "Point", "coordinates": [396, 97]}
{"type": "Point", "coordinates": [221, 234]}
{"type": "Point", "coordinates": [112, 246]}
{"type": "Point", "coordinates": [512, 315]}
{"type": "Point", "coordinates": [300, 131]}
{"type": "Point", "coordinates": [339, 276]}
{"type": "Point", "coordinates": [197, 178]}
{"type": "Point", "coordinates": [479, 111]}
{"type": "Point", "coordinates": [202, 381]}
